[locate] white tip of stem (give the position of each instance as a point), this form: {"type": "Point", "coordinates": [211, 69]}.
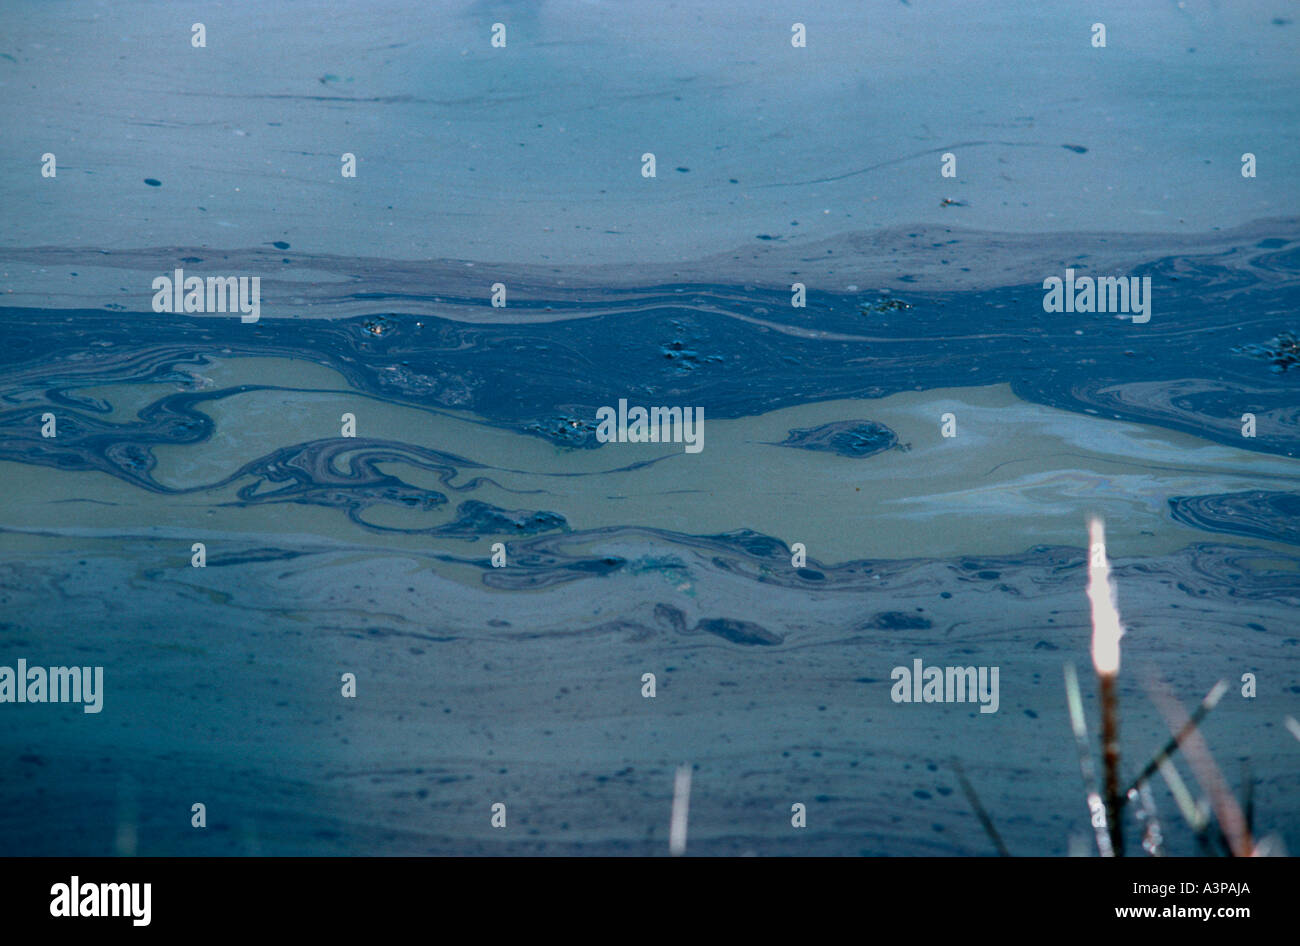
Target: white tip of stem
{"type": "Point", "coordinates": [681, 807]}
{"type": "Point", "coordinates": [1106, 629]}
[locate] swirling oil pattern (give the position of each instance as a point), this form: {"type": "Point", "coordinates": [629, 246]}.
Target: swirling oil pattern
{"type": "Point", "coordinates": [389, 476]}
{"type": "Point", "coordinates": [373, 551]}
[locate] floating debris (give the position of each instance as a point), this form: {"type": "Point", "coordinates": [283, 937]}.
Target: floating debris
{"type": "Point", "coordinates": [883, 305]}
{"type": "Point", "coordinates": [565, 430]}
{"type": "Point", "coordinates": [378, 325]}
{"type": "Point", "coordinates": [1282, 351]}
{"type": "Point", "coordinates": [687, 359]}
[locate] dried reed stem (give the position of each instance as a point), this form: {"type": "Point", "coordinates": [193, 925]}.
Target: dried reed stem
{"type": "Point", "coordinates": [1211, 700]}
{"type": "Point", "coordinates": [1096, 811]}
{"type": "Point", "coordinates": [1110, 759]}
{"type": "Point", "coordinates": [980, 812]}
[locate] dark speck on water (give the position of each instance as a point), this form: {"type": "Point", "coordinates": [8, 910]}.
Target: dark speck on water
{"type": "Point", "coordinates": [153, 182]}
{"type": "Point", "coordinates": [1077, 149]}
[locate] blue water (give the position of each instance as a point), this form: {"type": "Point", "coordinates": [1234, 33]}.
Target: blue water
{"type": "Point", "coordinates": [372, 554]}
